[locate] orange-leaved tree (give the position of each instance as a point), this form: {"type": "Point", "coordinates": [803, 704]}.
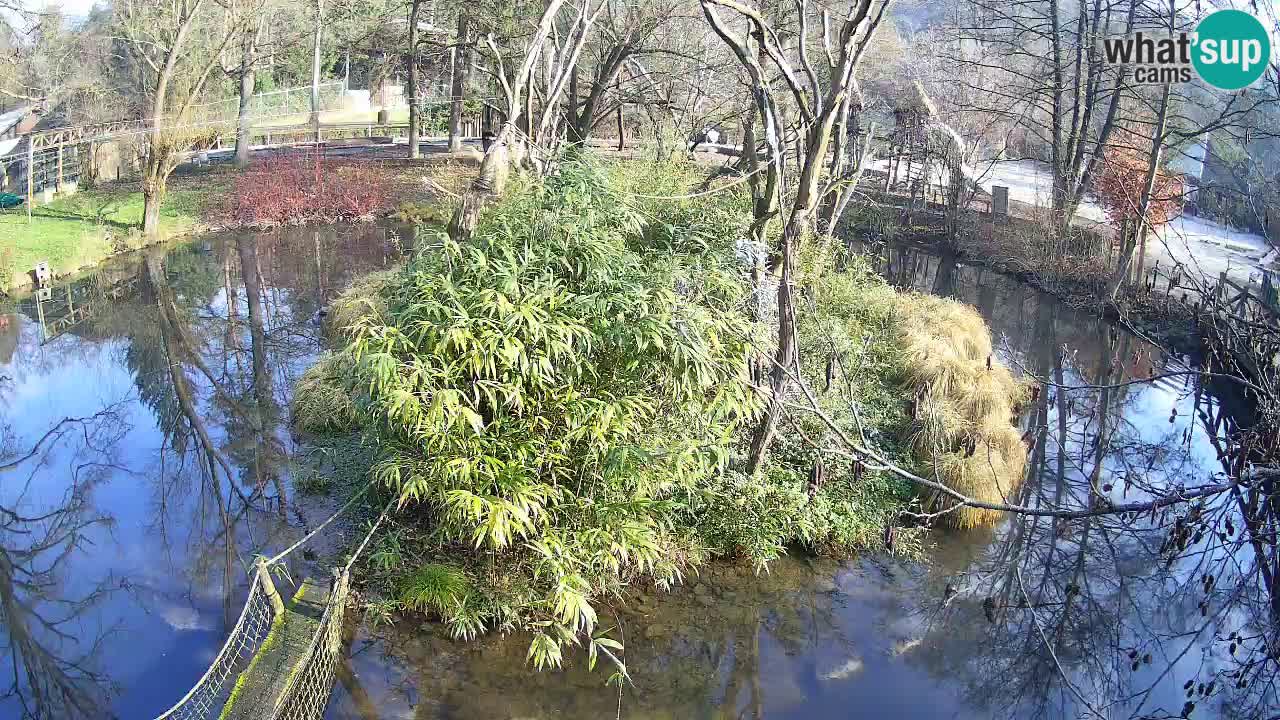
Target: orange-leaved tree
{"type": "Point", "coordinates": [1120, 185]}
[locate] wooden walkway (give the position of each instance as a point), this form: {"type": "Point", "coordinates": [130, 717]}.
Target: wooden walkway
{"type": "Point", "coordinates": [280, 657]}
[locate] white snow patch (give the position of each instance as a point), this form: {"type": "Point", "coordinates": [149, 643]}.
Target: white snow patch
{"type": "Point", "coordinates": [1199, 245]}
{"type": "Point", "coordinates": [1209, 249]}
{"type": "Point", "coordinates": [1030, 182]}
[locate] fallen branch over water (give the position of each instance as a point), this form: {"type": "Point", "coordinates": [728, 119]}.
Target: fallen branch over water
{"type": "Point", "coordinates": [863, 453]}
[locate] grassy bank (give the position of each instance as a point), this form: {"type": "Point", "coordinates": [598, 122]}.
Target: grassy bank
{"type": "Point", "coordinates": [82, 229]}
{"type": "Point", "coordinates": [563, 405]}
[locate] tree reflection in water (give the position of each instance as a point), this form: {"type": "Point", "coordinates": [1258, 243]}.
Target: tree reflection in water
{"type": "Point", "coordinates": [1112, 616]}
{"type": "Point", "coordinates": [53, 653]}
{"type": "Point", "coordinates": [101, 619]}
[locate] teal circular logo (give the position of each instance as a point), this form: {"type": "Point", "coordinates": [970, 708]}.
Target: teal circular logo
{"type": "Point", "coordinates": [1232, 49]}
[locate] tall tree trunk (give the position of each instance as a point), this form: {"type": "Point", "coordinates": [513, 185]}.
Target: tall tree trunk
{"type": "Point", "coordinates": [412, 61]}
{"type": "Point", "coordinates": [488, 183]}
{"type": "Point", "coordinates": [1058, 167]}
{"type": "Point", "coordinates": [1136, 236]}
{"type": "Point", "coordinates": [498, 157]}
{"type": "Point", "coordinates": [247, 78]}
{"type": "Point", "coordinates": [458, 84]}
{"type": "Point", "coordinates": [1129, 241]}
{"type": "Point", "coordinates": [783, 361]}
{"type": "Point", "coordinates": [159, 152]}
{"type": "Point", "coordinates": [571, 107]}
{"type": "Point", "coordinates": [315, 69]}
{"type": "Point", "coordinates": [154, 173]}
{"type": "Point", "coordinates": [153, 192]}
{"type": "Point", "coordinates": [622, 127]}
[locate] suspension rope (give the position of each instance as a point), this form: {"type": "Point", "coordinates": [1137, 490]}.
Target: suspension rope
{"type": "Point", "coordinates": [369, 536]}
{"type": "Point", "coordinates": [321, 526]}
{"type": "Point", "coordinates": [712, 191]}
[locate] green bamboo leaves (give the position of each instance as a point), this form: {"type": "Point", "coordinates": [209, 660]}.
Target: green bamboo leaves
{"type": "Point", "coordinates": [544, 391]}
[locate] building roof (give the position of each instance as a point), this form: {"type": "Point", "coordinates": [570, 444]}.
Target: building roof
{"type": "Point", "coordinates": [11, 145]}
{"type": "Point", "coordinates": [13, 117]}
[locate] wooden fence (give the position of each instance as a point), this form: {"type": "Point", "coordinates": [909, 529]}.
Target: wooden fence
{"type": "Point", "coordinates": [1255, 304]}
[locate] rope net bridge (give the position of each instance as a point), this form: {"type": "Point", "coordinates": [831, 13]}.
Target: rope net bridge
{"type": "Point", "coordinates": [281, 655]}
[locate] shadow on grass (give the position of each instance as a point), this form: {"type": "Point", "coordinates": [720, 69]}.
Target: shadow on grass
{"type": "Point", "coordinates": [98, 212]}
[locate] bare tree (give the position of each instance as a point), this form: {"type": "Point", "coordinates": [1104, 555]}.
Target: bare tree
{"type": "Point", "coordinates": [821, 103]}
{"type": "Point", "coordinates": [411, 60]}
{"type": "Point", "coordinates": [251, 37]}
{"type": "Point", "coordinates": [461, 71]}
{"type": "Point", "coordinates": [175, 47]}
{"type": "Point", "coordinates": [624, 32]}
{"type": "Point", "coordinates": [317, 36]}
{"type": "Point", "coordinates": [511, 145]}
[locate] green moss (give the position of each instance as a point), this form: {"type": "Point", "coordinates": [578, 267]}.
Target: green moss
{"type": "Point", "coordinates": [273, 637]}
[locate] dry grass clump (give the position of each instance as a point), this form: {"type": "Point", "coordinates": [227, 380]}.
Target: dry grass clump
{"type": "Point", "coordinates": [322, 402]}
{"type": "Point", "coordinates": [965, 406]}
{"type": "Point", "coordinates": [936, 423]}
{"type": "Point", "coordinates": [1028, 244]}
{"type": "Point", "coordinates": [363, 299]}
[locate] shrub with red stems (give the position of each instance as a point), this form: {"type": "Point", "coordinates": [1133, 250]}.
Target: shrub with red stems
{"type": "Point", "coordinates": [297, 188]}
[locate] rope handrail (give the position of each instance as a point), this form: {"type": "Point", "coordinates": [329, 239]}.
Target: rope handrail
{"type": "Point", "coordinates": [307, 688]}
{"type": "Point", "coordinates": [369, 536]}
{"type": "Point", "coordinates": [319, 636]}
{"type": "Point", "coordinates": [232, 639]}
{"type": "Point", "coordinates": [356, 496]}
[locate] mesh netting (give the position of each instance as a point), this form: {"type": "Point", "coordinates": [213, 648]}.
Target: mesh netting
{"type": "Point", "coordinates": [307, 694]}
{"type": "Point", "coordinates": [306, 690]}
{"type": "Point", "coordinates": [206, 698]}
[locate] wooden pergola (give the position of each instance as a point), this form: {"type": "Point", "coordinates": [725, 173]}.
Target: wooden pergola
{"type": "Point", "coordinates": [60, 138]}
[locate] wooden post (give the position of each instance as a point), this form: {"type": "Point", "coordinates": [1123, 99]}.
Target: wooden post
{"type": "Point", "coordinates": [338, 596]}
{"type": "Point", "coordinates": [999, 201]}
{"type": "Point", "coordinates": [31, 174]}
{"type": "Point", "coordinates": [269, 587]}
{"type": "Point", "coordinates": [622, 128]}
{"type": "Point", "coordinates": [44, 327]}
{"type": "Point", "coordinates": [58, 186]}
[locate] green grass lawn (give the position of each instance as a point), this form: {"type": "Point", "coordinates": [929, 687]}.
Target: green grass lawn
{"type": "Point", "coordinates": [82, 229]}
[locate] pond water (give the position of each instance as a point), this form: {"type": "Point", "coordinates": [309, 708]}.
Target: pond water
{"type": "Point", "coordinates": [122, 554]}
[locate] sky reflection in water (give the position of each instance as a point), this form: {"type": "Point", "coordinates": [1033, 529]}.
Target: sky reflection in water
{"type": "Point", "coordinates": [121, 565]}
{"type": "Point", "coordinates": [122, 555]}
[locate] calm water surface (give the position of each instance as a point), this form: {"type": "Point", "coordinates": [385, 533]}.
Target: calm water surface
{"type": "Point", "coordinates": [122, 554]}
{"type": "Point", "coordinates": [124, 539]}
